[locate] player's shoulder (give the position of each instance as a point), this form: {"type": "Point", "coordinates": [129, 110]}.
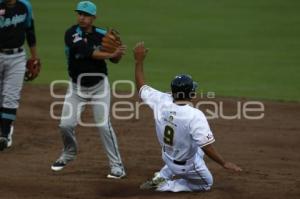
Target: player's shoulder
{"type": "Point", "coordinates": [149, 94]}
{"type": "Point", "coordinates": [100, 31]}
{"type": "Point", "coordinates": [148, 89]}
{"type": "Point", "coordinates": [72, 29]}
{"type": "Point", "coordinates": [25, 3]}
{"type": "Point", "coordinates": [197, 114]}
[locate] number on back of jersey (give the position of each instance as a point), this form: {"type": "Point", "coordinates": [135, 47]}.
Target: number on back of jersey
{"type": "Point", "coordinates": [168, 135]}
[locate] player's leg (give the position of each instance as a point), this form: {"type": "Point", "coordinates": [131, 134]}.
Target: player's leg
{"type": "Point", "coordinates": [13, 76]}
{"type": "Point", "coordinates": [201, 180]}
{"type": "Point", "coordinates": [2, 66]}
{"type": "Point", "coordinates": [198, 178]}
{"type": "Point", "coordinates": [101, 108]}
{"type": "Point", "coordinates": [166, 173]}
{"type": "Point", "coordinates": [69, 119]}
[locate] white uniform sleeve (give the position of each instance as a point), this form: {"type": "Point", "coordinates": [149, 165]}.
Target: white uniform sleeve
{"type": "Point", "coordinates": [151, 96]}
{"type": "Point", "coordinates": [200, 130]}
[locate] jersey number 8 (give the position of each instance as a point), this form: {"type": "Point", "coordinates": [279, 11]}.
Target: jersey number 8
{"type": "Point", "coordinates": [168, 135]}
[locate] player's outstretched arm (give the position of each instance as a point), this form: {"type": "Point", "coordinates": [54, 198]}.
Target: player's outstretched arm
{"type": "Point", "coordinates": [211, 152]}
{"type": "Point", "coordinates": [119, 52]}
{"type": "Point", "coordinates": [140, 53]}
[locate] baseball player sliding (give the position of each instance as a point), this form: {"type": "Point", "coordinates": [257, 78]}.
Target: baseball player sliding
{"type": "Point", "coordinates": [183, 133]}
{"type": "Point", "coordinates": [16, 25]}
{"type": "Point", "coordinates": [87, 48]}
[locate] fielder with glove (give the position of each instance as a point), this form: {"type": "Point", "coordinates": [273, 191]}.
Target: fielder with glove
{"type": "Point", "coordinates": [87, 49]}
{"type": "Point", "coordinates": [13, 32]}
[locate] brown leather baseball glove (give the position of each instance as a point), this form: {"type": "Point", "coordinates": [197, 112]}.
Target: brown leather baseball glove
{"type": "Point", "coordinates": [111, 41]}
{"type": "Point", "coordinates": [33, 67]}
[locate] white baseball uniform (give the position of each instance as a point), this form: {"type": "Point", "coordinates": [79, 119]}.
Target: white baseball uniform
{"type": "Point", "coordinates": [182, 131]}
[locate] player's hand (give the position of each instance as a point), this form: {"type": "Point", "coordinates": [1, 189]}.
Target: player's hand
{"type": "Point", "coordinates": [231, 166]}
{"type": "Point", "coordinates": [119, 52]}
{"type": "Point", "coordinates": [140, 52]}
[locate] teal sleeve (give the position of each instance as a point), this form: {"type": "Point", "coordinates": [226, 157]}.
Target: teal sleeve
{"type": "Point", "coordinates": [29, 18]}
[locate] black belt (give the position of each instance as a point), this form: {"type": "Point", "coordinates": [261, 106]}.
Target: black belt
{"type": "Point", "coordinates": [87, 83]}
{"type": "Point", "coordinates": [11, 51]}
{"type": "Point", "coordinates": [179, 162]}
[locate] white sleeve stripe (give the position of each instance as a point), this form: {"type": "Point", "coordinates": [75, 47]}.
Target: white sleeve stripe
{"type": "Point", "coordinates": [140, 91]}
{"type": "Point", "coordinates": [211, 141]}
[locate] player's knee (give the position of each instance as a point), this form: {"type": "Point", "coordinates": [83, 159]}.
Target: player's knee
{"type": "Point", "coordinates": [209, 183]}
{"type": "Point", "coordinates": [205, 183]}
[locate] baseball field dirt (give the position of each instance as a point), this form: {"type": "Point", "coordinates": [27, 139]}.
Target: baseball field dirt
{"type": "Point", "coordinates": [267, 150]}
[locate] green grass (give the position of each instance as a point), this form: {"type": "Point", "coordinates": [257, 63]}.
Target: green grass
{"type": "Point", "coordinates": [233, 47]}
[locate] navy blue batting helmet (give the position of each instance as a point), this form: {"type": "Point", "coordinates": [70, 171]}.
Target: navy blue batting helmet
{"type": "Point", "coordinates": [183, 87]}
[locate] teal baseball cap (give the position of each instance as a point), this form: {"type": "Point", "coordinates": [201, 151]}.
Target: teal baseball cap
{"type": "Point", "coordinates": [87, 7]}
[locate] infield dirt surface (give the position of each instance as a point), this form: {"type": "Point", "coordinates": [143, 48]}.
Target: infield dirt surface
{"type": "Point", "coordinates": [267, 150]}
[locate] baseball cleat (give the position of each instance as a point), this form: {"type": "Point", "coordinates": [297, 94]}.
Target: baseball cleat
{"type": "Point", "coordinates": [153, 184]}
{"type": "Point", "coordinates": [117, 173]}
{"type": "Point", "coordinates": [156, 175]}
{"type": "Point", "coordinates": [3, 143]}
{"type": "Point", "coordinates": [9, 139]}
{"type": "Point", "coordinates": [58, 165]}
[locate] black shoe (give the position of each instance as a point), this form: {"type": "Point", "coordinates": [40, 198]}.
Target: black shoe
{"type": "Point", "coordinates": [58, 165]}
{"type": "Point", "coordinates": [3, 143]}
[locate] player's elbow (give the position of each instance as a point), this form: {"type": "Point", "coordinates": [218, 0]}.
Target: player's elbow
{"type": "Point", "coordinates": [139, 81]}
